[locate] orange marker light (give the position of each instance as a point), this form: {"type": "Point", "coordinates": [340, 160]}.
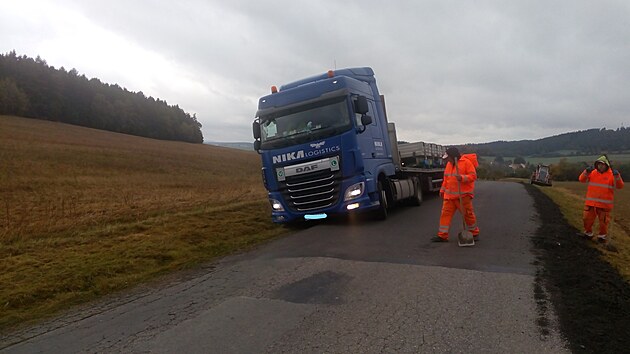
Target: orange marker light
{"type": "Point", "coordinates": [274, 89]}
{"type": "Point", "coordinates": [331, 73]}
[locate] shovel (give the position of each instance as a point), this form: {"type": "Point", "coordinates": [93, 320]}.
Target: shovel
{"type": "Point", "coordinates": [464, 237]}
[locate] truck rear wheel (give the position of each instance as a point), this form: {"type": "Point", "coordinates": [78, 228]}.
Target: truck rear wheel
{"type": "Point", "coordinates": [381, 213]}
{"type": "Point", "coordinates": [417, 195]}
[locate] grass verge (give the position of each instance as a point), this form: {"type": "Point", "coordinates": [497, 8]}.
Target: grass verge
{"type": "Point", "coordinates": [50, 274]}
{"type": "Point", "coordinates": [569, 196]}
{"type": "Point", "coordinates": [588, 294]}
{"type": "Point", "coordinates": [84, 213]}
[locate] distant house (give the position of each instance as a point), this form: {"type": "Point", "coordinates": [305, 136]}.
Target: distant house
{"type": "Point", "coordinates": [516, 166]}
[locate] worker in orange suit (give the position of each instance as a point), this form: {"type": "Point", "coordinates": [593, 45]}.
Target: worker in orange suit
{"type": "Point", "coordinates": [464, 174]}
{"type": "Point", "coordinates": [602, 181]}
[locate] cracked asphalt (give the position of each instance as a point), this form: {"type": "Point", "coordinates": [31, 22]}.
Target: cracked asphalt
{"type": "Point", "coordinates": [337, 287]}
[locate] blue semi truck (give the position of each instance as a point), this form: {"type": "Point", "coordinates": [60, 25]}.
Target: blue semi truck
{"type": "Point", "coordinates": [327, 148]}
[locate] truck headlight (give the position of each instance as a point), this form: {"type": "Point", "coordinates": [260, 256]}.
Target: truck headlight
{"type": "Point", "coordinates": [354, 191]}
{"type": "Point", "coordinates": [276, 205]}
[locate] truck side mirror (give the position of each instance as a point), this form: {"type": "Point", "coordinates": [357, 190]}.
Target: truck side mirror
{"type": "Point", "coordinates": [256, 130]}
{"type": "Point", "coordinates": [365, 121]}
{"type": "Point", "coordinates": [257, 146]}
{"type": "Point", "coordinates": [361, 105]}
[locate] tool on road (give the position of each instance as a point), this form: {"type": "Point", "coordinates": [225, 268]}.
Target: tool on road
{"type": "Point", "coordinates": [464, 237]}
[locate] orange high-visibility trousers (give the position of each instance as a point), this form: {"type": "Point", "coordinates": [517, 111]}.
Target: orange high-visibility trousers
{"type": "Point", "coordinates": [589, 216]}
{"type": "Point", "coordinates": [449, 206]}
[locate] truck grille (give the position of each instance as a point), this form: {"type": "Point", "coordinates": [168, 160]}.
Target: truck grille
{"type": "Point", "coordinates": [312, 191]}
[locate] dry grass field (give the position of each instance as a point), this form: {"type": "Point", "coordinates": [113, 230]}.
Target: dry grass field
{"type": "Point", "coordinates": [569, 196]}
{"type": "Point", "coordinates": [85, 212]}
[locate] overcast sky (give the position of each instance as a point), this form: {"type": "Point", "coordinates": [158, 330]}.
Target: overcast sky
{"type": "Point", "coordinates": [452, 72]}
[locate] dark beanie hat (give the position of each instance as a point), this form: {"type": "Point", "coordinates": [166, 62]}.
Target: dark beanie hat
{"type": "Point", "coordinates": [452, 152]}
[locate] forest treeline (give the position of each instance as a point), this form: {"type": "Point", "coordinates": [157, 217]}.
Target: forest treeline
{"type": "Point", "coordinates": [584, 142]}
{"type": "Point", "coordinates": [31, 88]}
{"type": "Point", "coordinates": [564, 170]}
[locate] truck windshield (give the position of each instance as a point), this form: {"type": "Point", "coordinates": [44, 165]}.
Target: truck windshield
{"type": "Point", "coordinates": [301, 124]}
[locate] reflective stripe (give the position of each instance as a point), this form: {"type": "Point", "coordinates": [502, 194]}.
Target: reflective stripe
{"type": "Point", "coordinates": [601, 185]}
{"type": "Point", "coordinates": [471, 227]}
{"type": "Point", "coordinates": [600, 200]}
{"type": "Point", "coordinates": [443, 228]}
{"type": "Point", "coordinates": [455, 174]}
{"type": "Point", "coordinates": [455, 193]}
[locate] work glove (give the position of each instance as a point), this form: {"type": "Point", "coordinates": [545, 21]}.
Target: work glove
{"type": "Point", "coordinates": [459, 178]}
{"type": "Point", "coordinates": [589, 169]}
{"type": "Point", "coordinates": [615, 173]}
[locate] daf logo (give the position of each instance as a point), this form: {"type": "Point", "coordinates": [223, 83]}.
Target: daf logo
{"type": "Point", "coordinates": [318, 145]}
{"type": "Point", "coordinates": [306, 168]}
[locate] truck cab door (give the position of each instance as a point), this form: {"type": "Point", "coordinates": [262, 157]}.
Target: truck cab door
{"type": "Point", "coordinates": [378, 127]}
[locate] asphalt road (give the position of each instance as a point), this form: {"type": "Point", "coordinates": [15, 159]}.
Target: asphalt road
{"type": "Point", "coordinates": [338, 287]}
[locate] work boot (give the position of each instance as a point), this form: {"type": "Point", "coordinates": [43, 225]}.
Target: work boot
{"type": "Point", "coordinates": [602, 240]}
{"type": "Point", "coordinates": [586, 236]}
{"type": "Point", "coordinates": [438, 239]}
{"type": "Point", "coordinates": [476, 238]}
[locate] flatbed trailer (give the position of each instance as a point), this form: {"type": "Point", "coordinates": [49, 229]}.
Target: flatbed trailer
{"type": "Point", "coordinates": [420, 160]}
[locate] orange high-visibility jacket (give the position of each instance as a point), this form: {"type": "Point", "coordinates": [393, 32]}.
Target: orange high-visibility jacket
{"type": "Point", "coordinates": [466, 166]}
{"type": "Point", "coordinates": [601, 188]}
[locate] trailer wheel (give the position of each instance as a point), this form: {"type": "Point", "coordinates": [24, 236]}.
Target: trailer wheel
{"type": "Point", "coordinates": [417, 195]}
{"type": "Point", "coordinates": [381, 213]}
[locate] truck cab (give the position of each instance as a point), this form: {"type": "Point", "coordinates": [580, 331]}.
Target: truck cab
{"type": "Point", "coordinates": [325, 146]}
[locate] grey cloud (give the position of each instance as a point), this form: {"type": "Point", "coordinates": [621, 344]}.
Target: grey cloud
{"type": "Point", "coordinates": [505, 70]}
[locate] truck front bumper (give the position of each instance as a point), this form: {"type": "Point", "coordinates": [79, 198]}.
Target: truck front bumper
{"type": "Point", "coordinates": [358, 204]}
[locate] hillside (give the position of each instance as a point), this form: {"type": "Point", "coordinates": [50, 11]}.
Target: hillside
{"type": "Point", "coordinates": [31, 88]}
{"type": "Point", "coordinates": [585, 142]}
{"type": "Point", "coordinates": [249, 146]}
{"type": "Point", "coordinates": [85, 212]}
{"type": "Point", "coordinates": [580, 143]}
